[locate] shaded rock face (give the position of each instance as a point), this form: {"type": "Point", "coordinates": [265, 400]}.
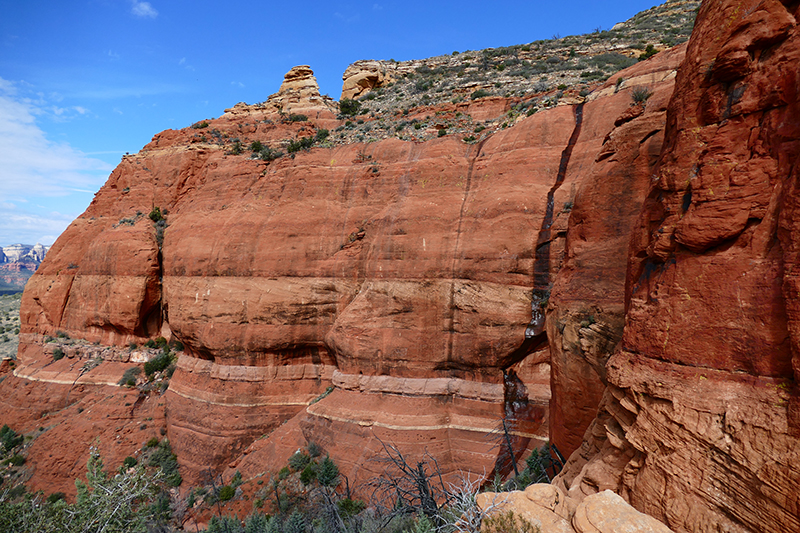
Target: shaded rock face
{"type": "Point", "coordinates": [699, 424]}
{"type": "Point", "coordinates": [397, 274]}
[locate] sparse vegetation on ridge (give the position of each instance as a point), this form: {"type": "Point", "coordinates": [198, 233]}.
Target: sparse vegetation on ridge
{"type": "Point", "coordinates": [421, 98]}
{"type": "Point", "coordinates": [526, 72]}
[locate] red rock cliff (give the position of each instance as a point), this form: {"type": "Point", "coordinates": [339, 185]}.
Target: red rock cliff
{"type": "Point", "coordinates": [699, 425]}
{"type": "Point", "coordinates": [394, 282]}
{"type": "Point", "coordinates": [399, 274]}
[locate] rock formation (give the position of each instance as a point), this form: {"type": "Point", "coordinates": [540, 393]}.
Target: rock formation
{"type": "Point", "coordinates": [635, 249]}
{"type": "Point", "coordinates": [364, 76]}
{"type": "Point", "coordinates": [546, 507]}
{"type": "Point", "coordinates": [397, 274]}
{"type": "Point", "coordinates": [21, 252]}
{"type": "Point", "coordinates": [18, 262]}
{"type": "Point", "coordinates": [298, 95]}
{"type": "Point", "coordinates": [698, 424]}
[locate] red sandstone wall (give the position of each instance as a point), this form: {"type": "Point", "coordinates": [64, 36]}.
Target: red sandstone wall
{"type": "Point", "coordinates": [698, 426]}
{"type": "Point", "coordinates": [399, 273]}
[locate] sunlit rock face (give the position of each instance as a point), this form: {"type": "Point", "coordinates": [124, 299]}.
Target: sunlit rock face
{"type": "Point", "coordinates": [364, 76]}
{"type": "Point", "coordinates": [393, 281]}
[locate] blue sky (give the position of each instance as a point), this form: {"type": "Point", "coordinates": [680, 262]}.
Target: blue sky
{"type": "Point", "coordinates": [84, 81]}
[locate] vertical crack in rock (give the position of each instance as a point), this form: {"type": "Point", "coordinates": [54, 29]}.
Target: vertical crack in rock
{"type": "Point", "coordinates": [535, 333]}
{"type": "Point", "coordinates": [155, 317]}
{"type": "Point", "coordinates": [56, 322]}
{"type": "Point", "coordinates": [450, 328]}
{"type": "Point", "coordinates": [517, 407]}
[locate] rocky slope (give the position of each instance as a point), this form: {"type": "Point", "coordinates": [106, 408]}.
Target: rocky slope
{"type": "Point", "coordinates": [544, 506]}
{"type": "Point", "coordinates": [632, 248]}
{"type": "Point", "coordinates": [573, 62]}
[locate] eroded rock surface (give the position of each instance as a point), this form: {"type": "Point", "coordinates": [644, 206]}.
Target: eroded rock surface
{"type": "Point", "coordinates": [398, 291]}
{"type": "Point", "coordinates": [699, 424]}
{"type": "Point", "coordinates": [397, 274]}
{"type": "Point", "coordinates": [586, 311]}
{"type": "Point", "coordinates": [298, 94]}
{"type": "Point", "coordinates": [364, 76]}
{"type": "Point", "coordinates": [546, 507]}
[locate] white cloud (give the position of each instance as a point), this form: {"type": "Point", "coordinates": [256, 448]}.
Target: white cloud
{"type": "Point", "coordinates": [237, 84]}
{"type": "Point", "coordinates": [56, 113]}
{"type": "Point", "coordinates": [143, 9]}
{"type": "Point", "coordinates": [33, 166]}
{"type": "Point", "coordinates": [17, 225]}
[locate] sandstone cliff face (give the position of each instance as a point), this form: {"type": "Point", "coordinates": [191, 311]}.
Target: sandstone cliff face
{"type": "Point", "coordinates": [398, 274]}
{"type": "Point", "coordinates": [641, 256]}
{"type": "Point", "coordinates": [586, 313]}
{"type": "Point", "coordinates": [698, 426]}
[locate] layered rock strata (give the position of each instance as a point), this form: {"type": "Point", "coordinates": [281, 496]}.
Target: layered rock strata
{"type": "Point", "coordinates": [398, 274]}
{"type": "Point", "coordinates": [698, 426]}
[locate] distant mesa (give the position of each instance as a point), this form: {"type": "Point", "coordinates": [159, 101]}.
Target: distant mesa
{"type": "Point", "coordinates": [22, 252]}
{"type": "Point", "coordinates": [18, 262]}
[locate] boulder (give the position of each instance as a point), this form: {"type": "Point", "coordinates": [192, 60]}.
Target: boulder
{"type": "Point", "coordinates": [546, 507]}
{"type": "Point", "coordinates": [364, 76]}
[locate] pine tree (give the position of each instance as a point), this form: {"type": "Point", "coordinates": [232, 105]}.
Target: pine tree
{"type": "Point", "coordinates": [328, 473]}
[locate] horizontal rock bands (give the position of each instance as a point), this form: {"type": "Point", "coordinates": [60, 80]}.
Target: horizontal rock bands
{"type": "Point", "coordinates": [425, 422]}
{"type": "Point", "coordinates": [206, 397]}
{"type": "Point", "coordinates": [420, 386]}
{"type": "Point", "coordinates": [255, 373]}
